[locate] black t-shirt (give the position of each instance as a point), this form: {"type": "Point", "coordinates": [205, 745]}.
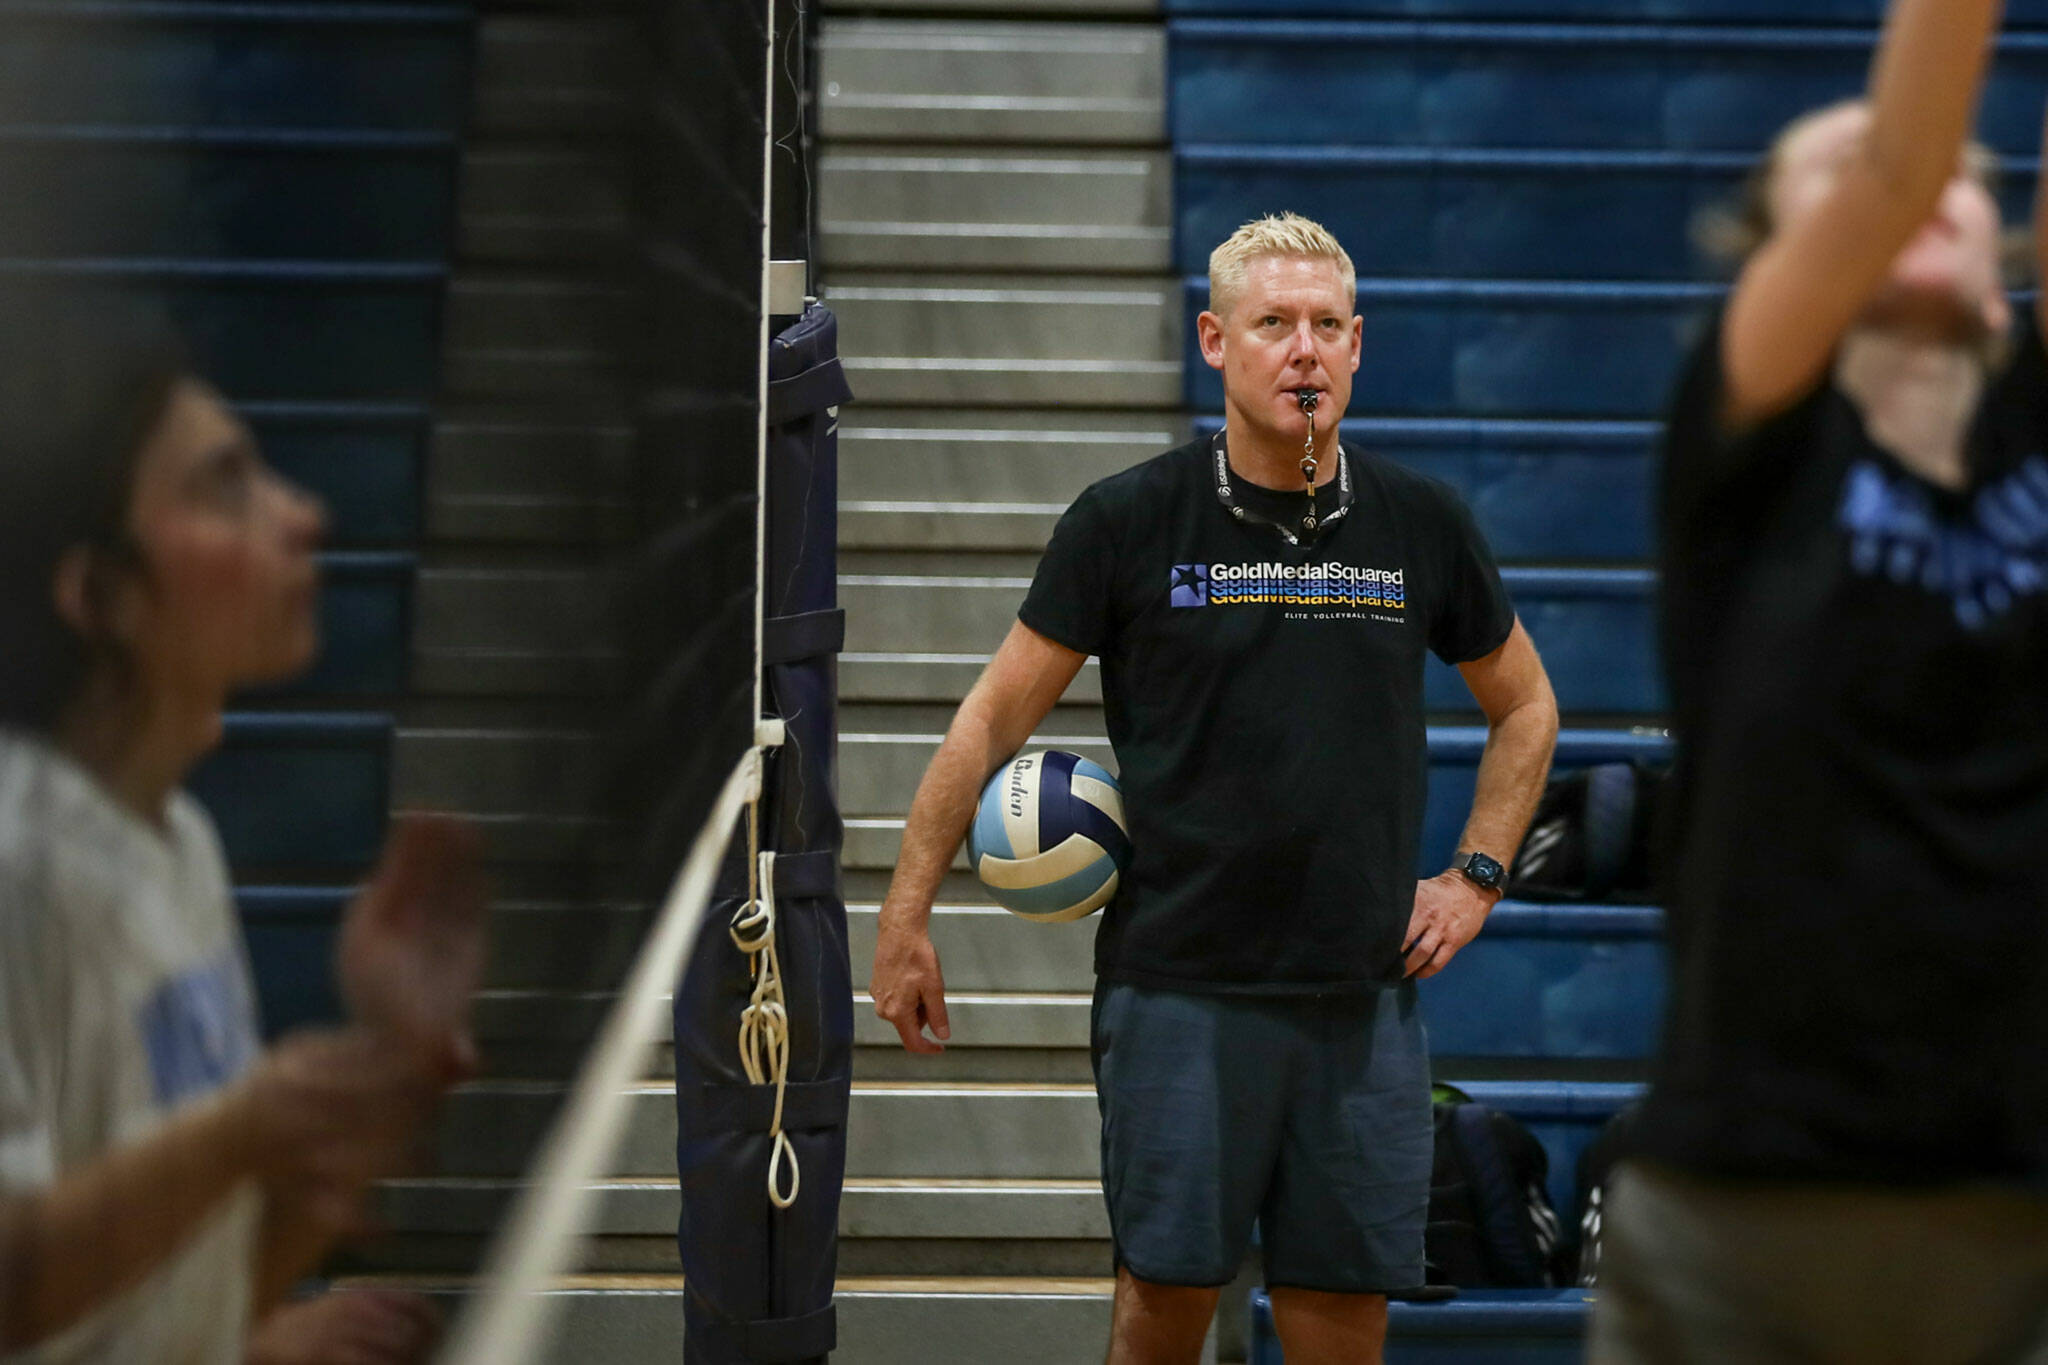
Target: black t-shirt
{"type": "Point", "coordinates": [1265, 703]}
{"type": "Point", "coordinates": [1859, 673]}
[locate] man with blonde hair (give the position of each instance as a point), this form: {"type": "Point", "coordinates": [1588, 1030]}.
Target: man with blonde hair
{"type": "Point", "coordinates": [1260, 601]}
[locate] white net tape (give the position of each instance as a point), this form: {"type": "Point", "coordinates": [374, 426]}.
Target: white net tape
{"type": "Point", "coordinates": [507, 1321]}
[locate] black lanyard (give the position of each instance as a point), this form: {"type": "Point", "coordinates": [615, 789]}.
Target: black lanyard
{"type": "Point", "coordinates": [1310, 527]}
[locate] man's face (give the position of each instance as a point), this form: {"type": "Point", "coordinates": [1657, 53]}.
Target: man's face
{"type": "Point", "coordinates": [1290, 328]}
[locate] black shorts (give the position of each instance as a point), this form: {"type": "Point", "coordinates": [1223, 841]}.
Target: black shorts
{"type": "Point", "coordinates": [1307, 1115]}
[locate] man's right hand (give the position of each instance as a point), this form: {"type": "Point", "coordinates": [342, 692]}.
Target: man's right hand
{"type": "Point", "coordinates": [908, 989]}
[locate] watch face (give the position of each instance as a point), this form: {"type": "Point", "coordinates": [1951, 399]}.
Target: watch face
{"type": "Point", "coordinates": [1484, 870]}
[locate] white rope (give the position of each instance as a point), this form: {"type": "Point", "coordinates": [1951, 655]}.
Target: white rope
{"type": "Point", "coordinates": [507, 1322]}
{"type": "Point", "coordinates": [764, 1024]}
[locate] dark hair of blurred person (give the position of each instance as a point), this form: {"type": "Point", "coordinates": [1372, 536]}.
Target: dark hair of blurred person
{"type": "Point", "coordinates": [163, 1179]}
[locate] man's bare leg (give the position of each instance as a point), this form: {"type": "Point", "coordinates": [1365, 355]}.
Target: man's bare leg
{"type": "Point", "coordinates": [1159, 1324]}
{"type": "Point", "coordinates": [1329, 1329]}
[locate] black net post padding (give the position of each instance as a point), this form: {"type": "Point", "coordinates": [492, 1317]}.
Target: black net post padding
{"type": "Point", "coordinates": [759, 1279]}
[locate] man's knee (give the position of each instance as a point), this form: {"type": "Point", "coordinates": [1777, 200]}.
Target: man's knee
{"type": "Point", "coordinates": [1159, 1322]}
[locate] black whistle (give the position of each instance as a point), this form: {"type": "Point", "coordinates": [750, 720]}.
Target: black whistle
{"type": "Point", "coordinates": [1307, 398]}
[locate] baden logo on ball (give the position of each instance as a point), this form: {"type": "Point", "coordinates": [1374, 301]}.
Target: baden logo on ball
{"type": "Point", "coordinates": [1049, 839]}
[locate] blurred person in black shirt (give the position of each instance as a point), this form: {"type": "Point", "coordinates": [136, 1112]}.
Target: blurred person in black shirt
{"type": "Point", "coordinates": [1844, 1151]}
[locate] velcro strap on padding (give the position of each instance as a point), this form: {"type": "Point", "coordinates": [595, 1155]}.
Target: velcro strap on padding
{"type": "Point", "coordinates": [772, 1339]}
{"type": "Point", "coordinates": [798, 876]}
{"type": "Point", "coordinates": [800, 395]}
{"type": "Point", "coordinates": [749, 1108]}
{"type": "Point", "coordinates": [786, 639]}
{"type": "Point", "coordinates": [801, 875]}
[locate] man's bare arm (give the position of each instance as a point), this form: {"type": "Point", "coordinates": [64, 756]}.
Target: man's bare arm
{"type": "Point", "coordinates": [1014, 693]}
{"type": "Point", "coordinates": [1521, 719]}
{"type": "Point", "coordinates": [1513, 690]}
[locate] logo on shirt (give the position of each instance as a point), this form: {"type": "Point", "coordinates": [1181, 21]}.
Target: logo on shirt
{"type": "Point", "coordinates": [196, 1032]}
{"type": "Point", "coordinates": [1982, 561]}
{"type": "Point", "coordinates": [1293, 585]}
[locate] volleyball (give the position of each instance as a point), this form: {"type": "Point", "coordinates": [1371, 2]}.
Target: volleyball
{"type": "Point", "coordinates": [1049, 839]}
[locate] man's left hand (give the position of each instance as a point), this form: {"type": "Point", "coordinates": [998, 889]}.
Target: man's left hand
{"type": "Point", "coordinates": [1449, 911]}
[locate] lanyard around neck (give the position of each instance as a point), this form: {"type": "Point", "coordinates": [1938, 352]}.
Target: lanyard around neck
{"type": "Point", "coordinates": [1310, 527]}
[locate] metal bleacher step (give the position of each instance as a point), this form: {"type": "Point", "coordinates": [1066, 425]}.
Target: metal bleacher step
{"type": "Point", "coordinates": [989, 1320]}
{"type": "Point", "coordinates": [553, 73]}
{"type": "Point", "coordinates": [989, 480]}
{"type": "Point", "coordinates": [1099, 341]}
{"type": "Point", "coordinates": [526, 203]}
{"type": "Point", "coordinates": [957, 81]}
{"type": "Point", "coordinates": [897, 1129]}
{"type": "Point", "coordinates": [899, 1226]}
{"type": "Point", "coordinates": [498, 478]}
{"type": "Point", "coordinates": [945, 1130]}
{"type": "Point", "coordinates": [524, 335]}
{"type": "Point", "coordinates": [887, 207]}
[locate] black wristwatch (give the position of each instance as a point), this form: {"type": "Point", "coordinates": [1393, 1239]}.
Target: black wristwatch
{"type": "Point", "coordinates": [1483, 872]}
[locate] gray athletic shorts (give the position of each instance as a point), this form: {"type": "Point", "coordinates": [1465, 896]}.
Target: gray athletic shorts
{"type": "Point", "coordinates": [1307, 1115]}
{"type": "Point", "coordinates": [1697, 1272]}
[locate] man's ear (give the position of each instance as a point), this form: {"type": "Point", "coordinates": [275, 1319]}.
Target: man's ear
{"type": "Point", "coordinates": [1209, 332]}
{"type": "Point", "coordinates": [1357, 341]}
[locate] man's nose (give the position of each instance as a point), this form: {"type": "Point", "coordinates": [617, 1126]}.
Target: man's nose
{"type": "Point", "coordinates": [1301, 347]}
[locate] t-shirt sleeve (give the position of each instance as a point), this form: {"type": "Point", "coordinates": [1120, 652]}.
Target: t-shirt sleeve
{"type": "Point", "coordinates": [1070, 601]}
{"type": "Point", "coordinates": [1476, 615]}
{"type": "Point", "coordinates": [28, 1038]}
{"type": "Point", "coordinates": [1701, 456]}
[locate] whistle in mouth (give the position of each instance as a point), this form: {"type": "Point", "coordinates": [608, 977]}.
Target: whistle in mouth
{"type": "Point", "coordinates": [1307, 398]}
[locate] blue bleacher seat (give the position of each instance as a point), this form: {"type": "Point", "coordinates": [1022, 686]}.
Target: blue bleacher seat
{"type": "Point", "coordinates": [363, 460]}
{"type": "Point", "coordinates": [299, 790]}
{"type": "Point", "coordinates": [1454, 752]}
{"type": "Point", "coordinates": [1552, 981]}
{"type": "Point", "coordinates": [1479, 1327]}
{"type": "Point", "coordinates": [290, 931]}
{"type": "Point", "coordinates": [1539, 85]}
{"type": "Point", "coordinates": [1541, 490]}
{"type": "Point", "coordinates": [2019, 13]}
{"type": "Point", "coordinates": [298, 330]}
{"type": "Point", "coordinates": [1510, 350]}
{"type": "Point", "coordinates": [243, 194]}
{"type": "Point", "coordinates": [1596, 630]}
{"type": "Point", "coordinates": [365, 627]}
{"type": "Point", "coordinates": [234, 65]}
{"type": "Point", "coordinates": [1415, 213]}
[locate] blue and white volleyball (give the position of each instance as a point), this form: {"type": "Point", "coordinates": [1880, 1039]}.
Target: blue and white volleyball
{"type": "Point", "coordinates": [1049, 838]}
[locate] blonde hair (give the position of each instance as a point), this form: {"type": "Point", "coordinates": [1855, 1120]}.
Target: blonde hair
{"type": "Point", "coordinates": [1284, 234]}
